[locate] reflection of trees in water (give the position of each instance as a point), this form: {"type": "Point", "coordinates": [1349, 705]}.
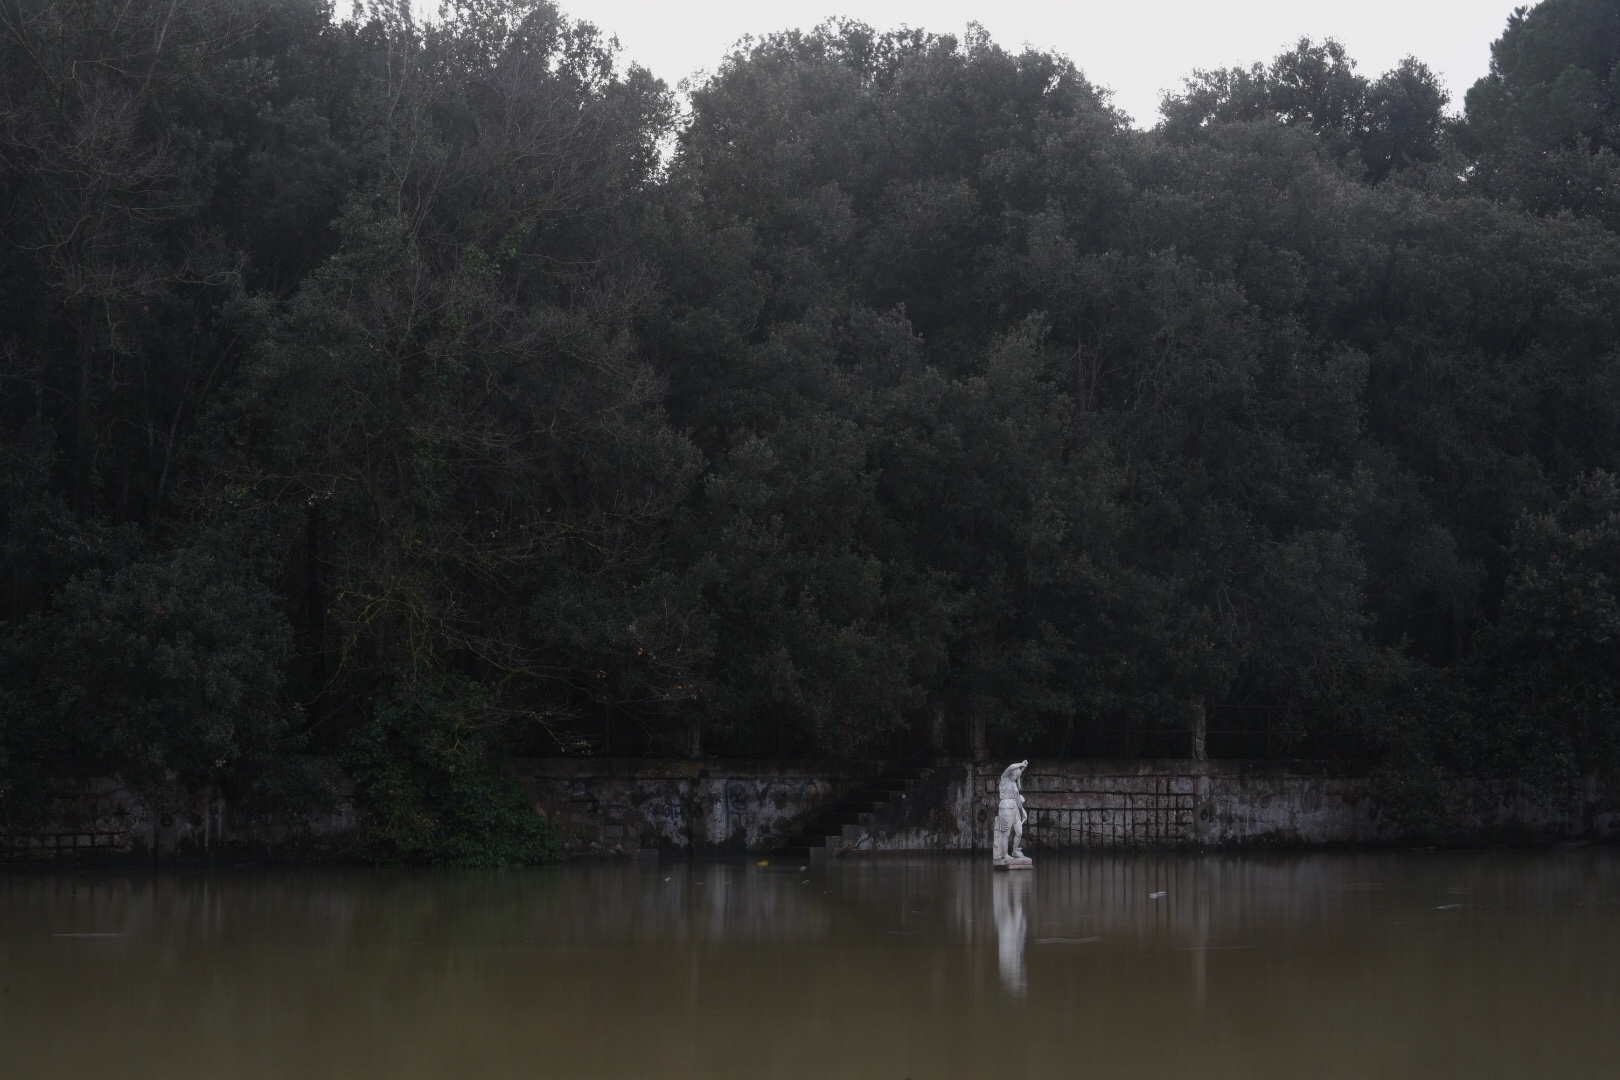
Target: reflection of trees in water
{"type": "Point", "coordinates": [603, 968]}
{"type": "Point", "coordinates": [1194, 906]}
{"type": "Point", "coordinates": [691, 902]}
{"type": "Point", "coordinates": [1180, 903]}
{"type": "Point", "coordinates": [1180, 899]}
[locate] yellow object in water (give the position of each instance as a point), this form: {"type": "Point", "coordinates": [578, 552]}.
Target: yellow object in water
{"type": "Point", "coordinates": [763, 862]}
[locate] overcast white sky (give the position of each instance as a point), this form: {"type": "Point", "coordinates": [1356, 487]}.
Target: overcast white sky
{"type": "Point", "coordinates": [1136, 49]}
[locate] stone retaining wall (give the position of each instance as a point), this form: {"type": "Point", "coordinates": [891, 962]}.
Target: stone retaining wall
{"type": "Point", "coordinates": [1169, 803]}
{"type": "Point", "coordinates": [623, 807]}
{"type": "Point", "coordinates": [1077, 804]}
{"type": "Point", "coordinates": [1123, 804]}
{"type": "Point", "coordinates": [99, 817]}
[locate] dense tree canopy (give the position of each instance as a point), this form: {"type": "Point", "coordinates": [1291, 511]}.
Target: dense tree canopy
{"type": "Point", "coordinates": [1544, 125]}
{"type": "Point", "coordinates": [421, 394]}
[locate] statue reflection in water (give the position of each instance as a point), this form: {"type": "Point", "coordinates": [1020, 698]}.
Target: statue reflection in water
{"type": "Point", "coordinates": [1011, 891]}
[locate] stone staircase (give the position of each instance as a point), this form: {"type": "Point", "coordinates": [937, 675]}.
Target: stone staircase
{"type": "Point", "coordinates": [842, 824]}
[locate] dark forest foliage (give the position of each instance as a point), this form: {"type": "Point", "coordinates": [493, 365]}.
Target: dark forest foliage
{"type": "Point", "coordinates": [422, 394]}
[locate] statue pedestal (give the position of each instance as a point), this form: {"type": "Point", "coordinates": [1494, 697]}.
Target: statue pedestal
{"type": "Point", "coordinates": [1021, 863]}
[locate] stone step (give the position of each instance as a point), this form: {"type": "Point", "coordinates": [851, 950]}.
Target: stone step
{"type": "Point", "coordinates": [836, 821]}
{"type": "Point", "coordinates": [827, 832]}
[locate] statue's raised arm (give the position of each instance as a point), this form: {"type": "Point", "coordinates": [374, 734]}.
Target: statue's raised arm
{"type": "Point", "coordinates": [1007, 843]}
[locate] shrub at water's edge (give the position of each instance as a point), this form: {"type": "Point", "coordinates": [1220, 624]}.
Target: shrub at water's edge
{"type": "Point", "coordinates": [431, 789]}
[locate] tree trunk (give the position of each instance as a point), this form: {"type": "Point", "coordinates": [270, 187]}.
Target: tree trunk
{"type": "Point", "coordinates": [1067, 743]}
{"type": "Point", "coordinates": [314, 602]}
{"type": "Point", "coordinates": [84, 432]}
{"type": "Point", "coordinates": [1199, 730]}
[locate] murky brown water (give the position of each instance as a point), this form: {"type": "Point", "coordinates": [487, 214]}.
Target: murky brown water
{"type": "Point", "coordinates": [1315, 966]}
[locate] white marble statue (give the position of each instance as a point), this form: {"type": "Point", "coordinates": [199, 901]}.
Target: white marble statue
{"type": "Point", "coordinates": [1007, 845]}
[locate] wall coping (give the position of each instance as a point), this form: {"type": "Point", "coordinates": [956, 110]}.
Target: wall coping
{"type": "Point", "coordinates": [679, 769]}
{"type": "Point", "coordinates": [709, 769]}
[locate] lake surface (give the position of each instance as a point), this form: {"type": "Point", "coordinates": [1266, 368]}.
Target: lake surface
{"type": "Point", "coordinates": [1503, 964]}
